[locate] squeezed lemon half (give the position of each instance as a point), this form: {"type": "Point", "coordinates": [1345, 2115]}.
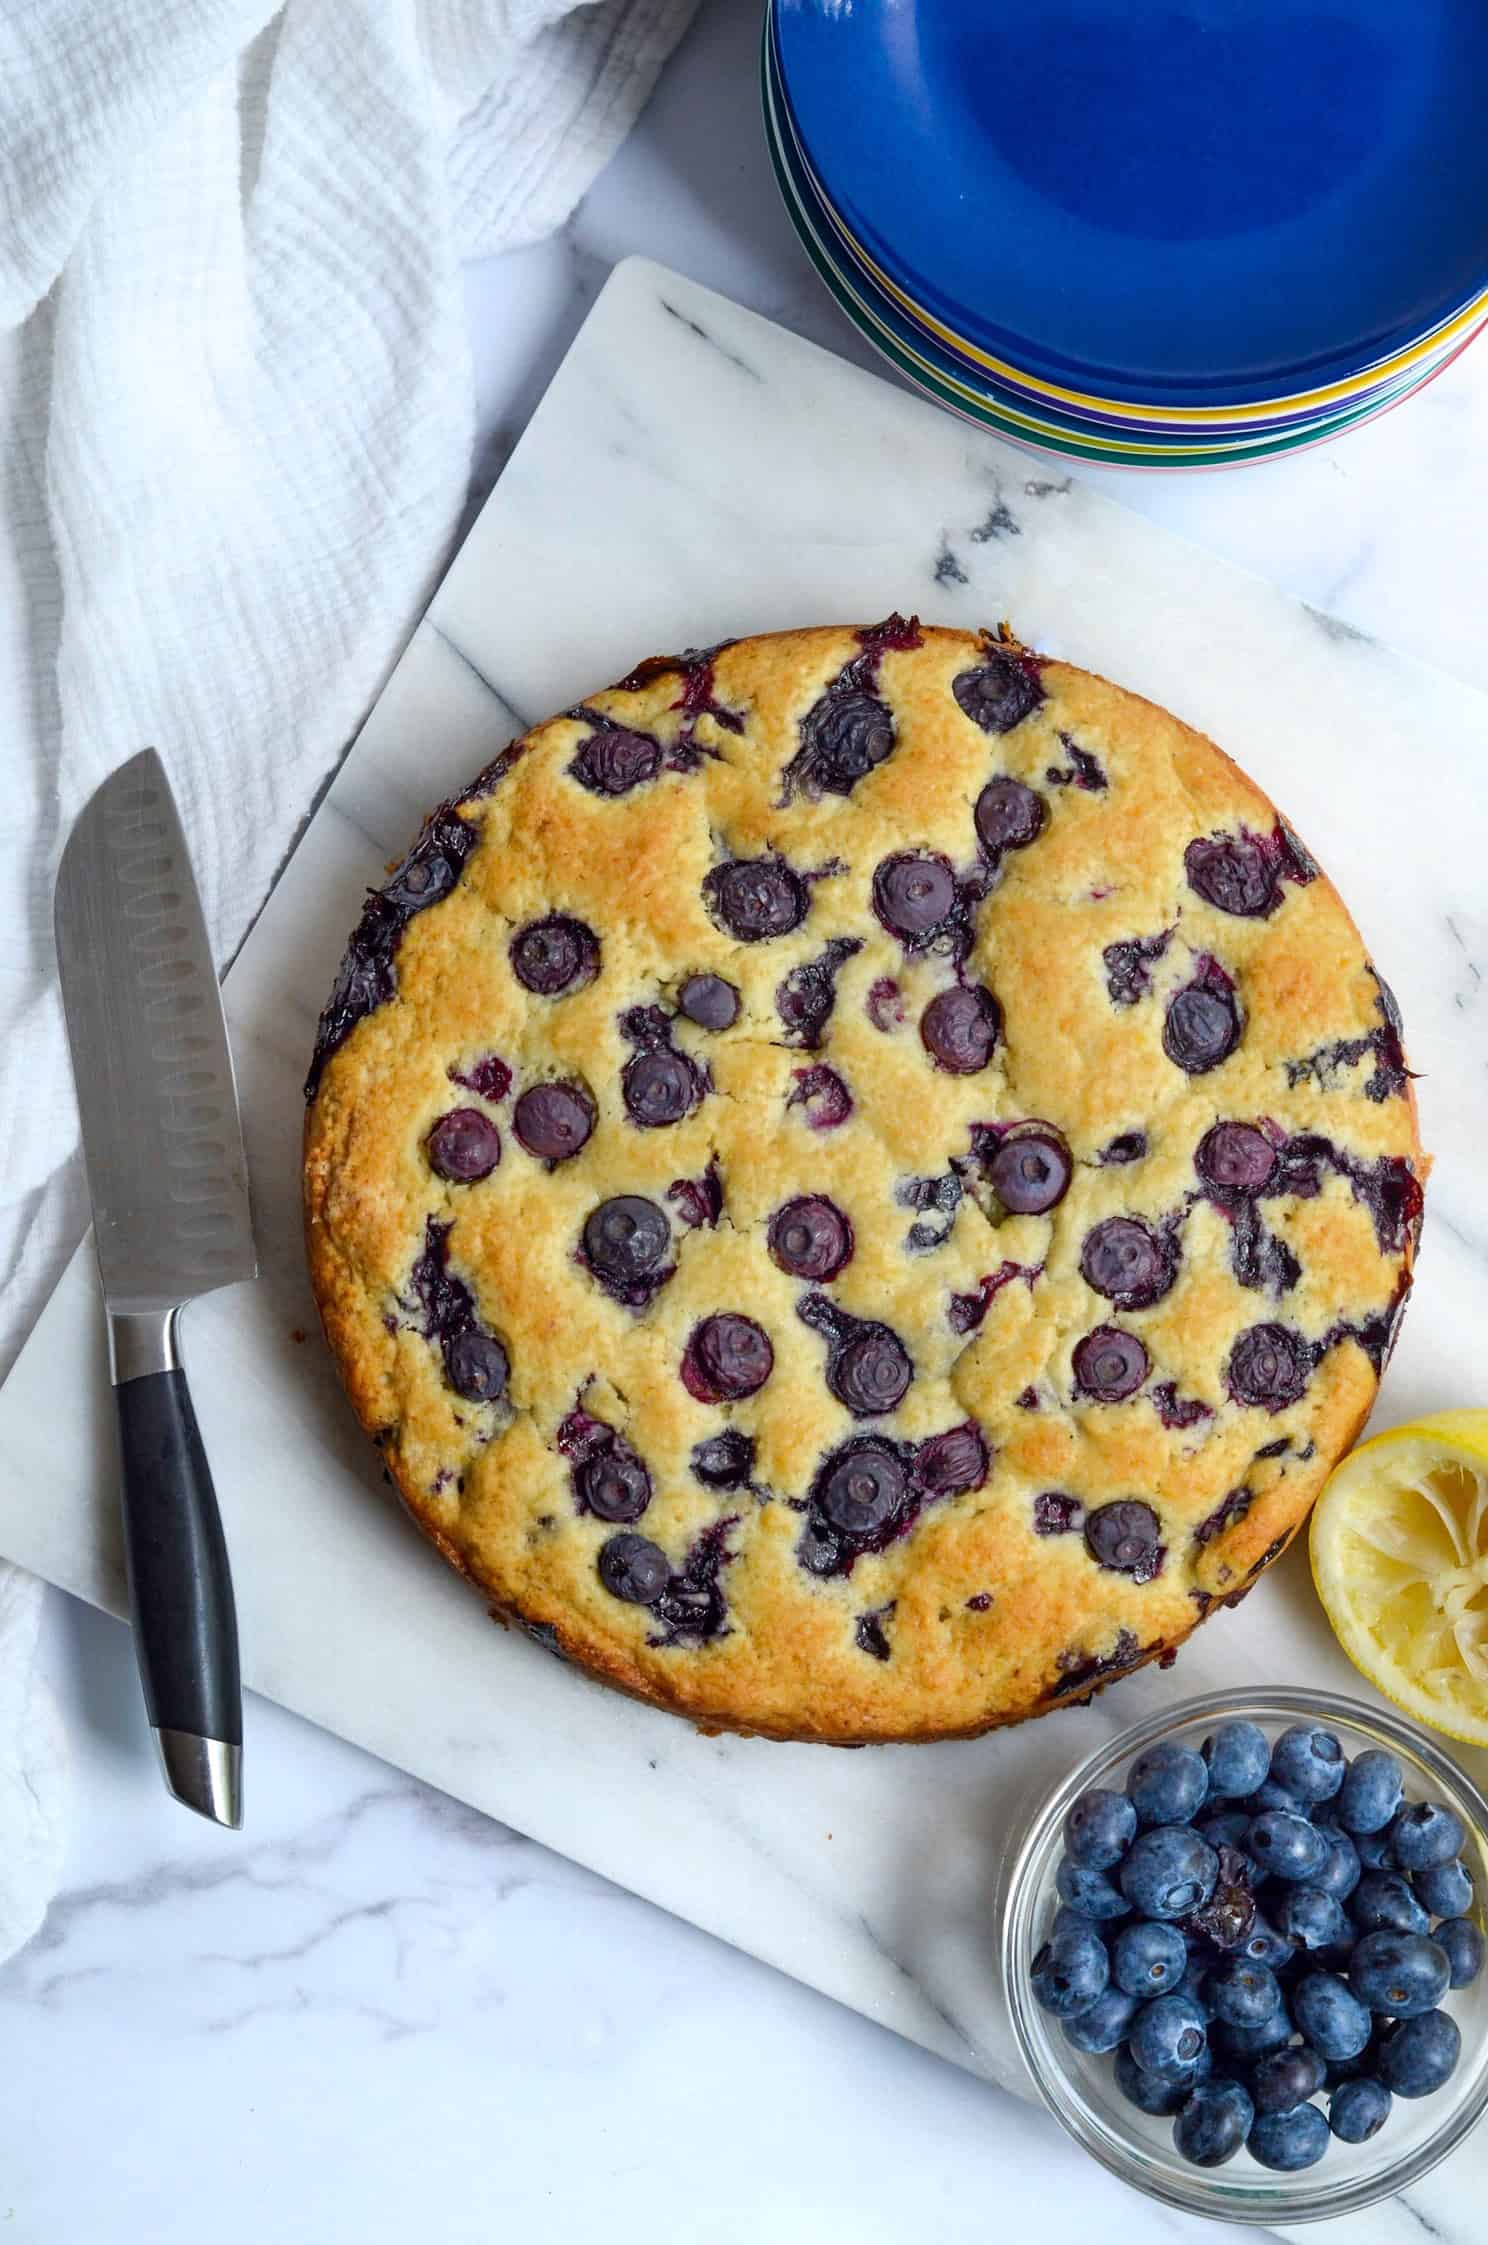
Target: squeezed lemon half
{"type": "Point", "coordinates": [1399, 1546]}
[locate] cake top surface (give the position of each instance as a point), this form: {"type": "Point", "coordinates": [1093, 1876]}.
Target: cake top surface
{"type": "Point", "coordinates": [861, 1180]}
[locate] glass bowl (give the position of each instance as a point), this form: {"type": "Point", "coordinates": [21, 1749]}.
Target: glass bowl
{"type": "Point", "coordinates": [1081, 2091]}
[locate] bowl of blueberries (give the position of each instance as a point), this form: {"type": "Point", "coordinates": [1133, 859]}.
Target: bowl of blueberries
{"type": "Point", "coordinates": [1244, 1955]}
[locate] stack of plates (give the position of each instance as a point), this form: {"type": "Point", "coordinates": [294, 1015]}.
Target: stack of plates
{"type": "Point", "coordinates": [1148, 233]}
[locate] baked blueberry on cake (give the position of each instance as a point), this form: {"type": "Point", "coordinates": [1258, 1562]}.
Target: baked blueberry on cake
{"type": "Point", "coordinates": [861, 1180]}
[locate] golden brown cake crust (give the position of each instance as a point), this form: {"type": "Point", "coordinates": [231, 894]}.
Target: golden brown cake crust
{"type": "Point", "coordinates": [953, 1561]}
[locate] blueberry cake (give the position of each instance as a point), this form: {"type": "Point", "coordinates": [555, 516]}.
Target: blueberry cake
{"type": "Point", "coordinates": [860, 1180]}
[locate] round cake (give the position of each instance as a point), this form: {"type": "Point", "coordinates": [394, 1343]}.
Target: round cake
{"type": "Point", "coordinates": [860, 1181]}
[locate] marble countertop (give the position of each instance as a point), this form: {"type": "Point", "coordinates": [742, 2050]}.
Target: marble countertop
{"type": "Point", "coordinates": [378, 2012]}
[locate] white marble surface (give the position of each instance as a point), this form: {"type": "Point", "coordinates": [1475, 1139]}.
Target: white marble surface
{"type": "Point", "coordinates": [311, 2006]}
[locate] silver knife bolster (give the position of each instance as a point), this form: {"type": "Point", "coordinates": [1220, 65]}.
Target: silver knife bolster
{"type": "Point", "coordinates": [141, 1342]}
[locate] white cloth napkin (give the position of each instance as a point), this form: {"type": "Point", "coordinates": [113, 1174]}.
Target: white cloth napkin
{"type": "Point", "coordinates": [235, 424]}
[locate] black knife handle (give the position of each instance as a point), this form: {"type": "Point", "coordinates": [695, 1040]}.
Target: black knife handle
{"type": "Point", "coordinates": [180, 1590]}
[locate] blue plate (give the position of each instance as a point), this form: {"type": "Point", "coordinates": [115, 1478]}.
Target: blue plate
{"type": "Point", "coordinates": [1191, 435]}
{"type": "Point", "coordinates": [975, 396]}
{"type": "Point", "coordinates": [1197, 202]}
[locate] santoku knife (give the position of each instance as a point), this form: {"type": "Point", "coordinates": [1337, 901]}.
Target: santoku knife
{"type": "Point", "coordinates": [169, 1184]}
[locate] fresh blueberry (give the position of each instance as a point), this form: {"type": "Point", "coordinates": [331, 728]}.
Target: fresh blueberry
{"type": "Point", "coordinates": [463, 1146]}
{"type": "Point", "coordinates": [553, 955]}
{"type": "Point", "coordinates": [1238, 1759]}
{"type": "Point", "coordinates": [627, 1238]}
{"type": "Point", "coordinates": [1284, 2078]}
{"type": "Point", "coordinates": [1265, 1945]}
{"type": "Point", "coordinates": [1099, 1827]}
{"type": "Point", "coordinates": [1110, 1364]}
{"type": "Point", "coordinates": [1330, 2016]}
{"type": "Point", "coordinates": [634, 1569]}
{"type": "Point", "coordinates": [960, 1027]}
{"type": "Point", "coordinates": [1309, 1762]}
{"type": "Point", "coordinates": [1030, 1171]}
{"type": "Point", "coordinates": [1426, 1832]}
{"type": "Point", "coordinates": [1289, 2140]}
{"type": "Point", "coordinates": [553, 1121]}
{"type": "Point", "coordinates": [756, 899]}
{"type": "Point", "coordinates": [1363, 2062]}
{"type": "Point", "coordinates": [1066, 1920]}
{"type": "Point", "coordinates": [1125, 1537]}
{"type": "Point", "coordinates": [1167, 1784]}
{"type": "Point", "coordinates": [1070, 1971]}
{"type": "Point", "coordinates": [1383, 1900]}
{"type": "Point", "coordinates": [1340, 1874]}
{"type": "Point", "coordinates": [1286, 1845]}
{"type": "Point", "coordinates": [1401, 1974]}
{"type": "Point", "coordinates": [1242, 2046]}
{"type": "Point", "coordinates": [1242, 1993]}
{"type": "Point", "coordinates": [1268, 1794]}
{"type": "Point", "coordinates": [1359, 2109]}
{"type": "Point", "coordinates": [1269, 1367]}
{"type": "Point", "coordinates": [1224, 1827]}
{"type": "Point", "coordinates": [1446, 1889]}
{"type": "Point", "coordinates": [1147, 1959]}
{"type": "Point", "coordinates": [1463, 1944]}
{"type": "Point", "coordinates": [1217, 2119]}
{"type": "Point", "coordinates": [1371, 1791]}
{"type": "Point", "coordinates": [709, 1001]}
{"type": "Point", "coordinates": [1374, 1849]}
{"type": "Point", "coordinates": [1418, 2055]}
{"type": "Point", "coordinates": [914, 894]}
{"type": "Point", "coordinates": [1313, 1920]}
{"type": "Point", "coordinates": [1103, 2027]}
{"type": "Point", "coordinates": [1167, 2035]}
{"type": "Point", "coordinates": [1124, 1259]}
{"type": "Point", "coordinates": [1168, 1872]}
{"type": "Point", "coordinates": [1194, 1983]}
{"type": "Point", "coordinates": [810, 1238]}
{"type": "Point", "coordinates": [999, 693]}
{"type": "Point", "coordinates": [1149, 2092]}
{"type": "Point", "coordinates": [1008, 816]}
{"type": "Point", "coordinates": [1090, 1891]}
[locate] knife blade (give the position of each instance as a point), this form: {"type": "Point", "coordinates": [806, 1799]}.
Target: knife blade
{"type": "Point", "coordinates": [168, 1178]}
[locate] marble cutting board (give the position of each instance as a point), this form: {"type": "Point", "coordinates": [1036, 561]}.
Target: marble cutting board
{"type": "Point", "coordinates": [695, 472]}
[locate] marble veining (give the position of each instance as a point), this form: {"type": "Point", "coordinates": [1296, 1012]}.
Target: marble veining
{"type": "Point", "coordinates": [686, 435]}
